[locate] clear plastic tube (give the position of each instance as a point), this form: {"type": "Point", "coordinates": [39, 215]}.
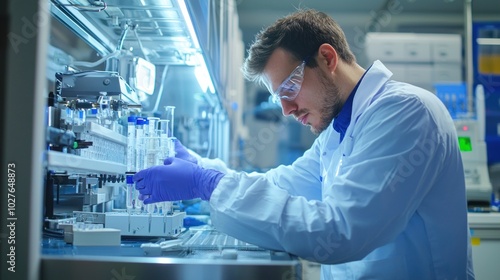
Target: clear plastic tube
{"type": "Point", "coordinates": [170, 142]}
{"type": "Point", "coordinates": [152, 146]}
{"type": "Point", "coordinates": [67, 116]}
{"type": "Point", "coordinates": [171, 147]}
{"type": "Point", "coordinates": [164, 143]}
{"type": "Point", "coordinates": [79, 117]}
{"type": "Point", "coordinates": [131, 167]}
{"type": "Point", "coordinates": [163, 127]}
{"type": "Point", "coordinates": [170, 117]}
{"type": "Point", "coordinates": [104, 112]}
{"type": "Point", "coordinates": [130, 192]}
{"type": "Point", "coordinates": [150, 208]}
{"type": "Point", "coordinates": [153, 126]}
{"type": "Point", "coordinates": [138, 203]}
{"type": "Point", "coordinates": [139, 144]}
{"type": "Point", "coordinates": [146, 127]}
{"type": "Point", "coordinates": [166, 207]}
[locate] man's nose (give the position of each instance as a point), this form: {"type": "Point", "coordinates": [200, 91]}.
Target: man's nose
{"type": "Point", "coordinates": [288, 107]}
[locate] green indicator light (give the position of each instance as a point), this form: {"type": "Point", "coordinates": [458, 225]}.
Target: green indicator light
{"type": "Point", "coordinates": [464, 144]}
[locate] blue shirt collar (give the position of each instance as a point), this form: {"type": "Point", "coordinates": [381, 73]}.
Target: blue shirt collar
{"type": "Point", "coordinates": [342, 121]}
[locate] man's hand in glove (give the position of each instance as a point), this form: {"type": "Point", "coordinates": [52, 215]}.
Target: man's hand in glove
{"type": "Point", "coordinates": [178, 179]}
{"type": "Point", "coordinates": [182, 153]}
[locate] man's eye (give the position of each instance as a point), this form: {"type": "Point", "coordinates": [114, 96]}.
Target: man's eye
{"type": "Point", "coordinates": [287, 89]}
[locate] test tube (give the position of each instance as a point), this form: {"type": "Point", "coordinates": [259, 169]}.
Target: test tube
{"type": "Point", "coordinates": [131, 144]}
{"type": "Point", "coordinates": [170, 116]}
{"type": "Point", "coordinates": [171, 147]}
{"type": "Point", "coordinates": [145, 143]}
{"type": "Point", "coordinates": [139, 144]}
{"type": "Point", "coordinates": [146, 128]}
{"type": "Point", "coordinates": [152, 142]}
{"type": "Point", "coordinates": [79, 117]}
{"type": "Point", "coordinates": [104, 111]}
{"type": "Point", "coordinates": [130, 192]}
{"type": "Point", "coordinates": [171, 144]}
{"type": "Point", "coordinates": [67, 117]}
{"type": "Point", "coordinates": [164, 142]}
{"type": "Point", "coordinates": [153, 125]}
{"type": "Point", "coordinates": [150, 208]}
{"type": "Point", "coordinates": [166, 207]}
{"type": "Point", "coordinates": [138, 203]}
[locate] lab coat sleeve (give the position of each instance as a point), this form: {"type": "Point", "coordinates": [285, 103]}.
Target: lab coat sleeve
{"type": "Point", "coordinates": [211, 163]}
{"type": "Point", "coordinates": [216, 164]}
{"type": "Point", "coordinates": [368, 204]}
{"type": "Point", "coordinates": [301, 178]}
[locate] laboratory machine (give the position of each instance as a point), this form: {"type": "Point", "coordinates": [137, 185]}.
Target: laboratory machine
{"type": "Point", "coordinates": [124, 80]}
{"type": "Point", "coordinates": [470, 132]}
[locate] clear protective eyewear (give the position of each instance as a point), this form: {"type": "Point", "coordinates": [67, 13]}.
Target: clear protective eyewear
{"type": "Point", "coordinates": [290, 87]}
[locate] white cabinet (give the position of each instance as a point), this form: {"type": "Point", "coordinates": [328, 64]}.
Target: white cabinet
{"type": "Point", "coordinates": [447, 72]}
{"type": "Point", "coordinates": [485, 239]}
{"type": "Point", "coordinates": [447, 49]}
{"type": "Point", "coordinates": [419, 59]}
{"type": "Point", "coordinates": [417, 51]}
{"type": "Point", "coordinates": [390, 51]}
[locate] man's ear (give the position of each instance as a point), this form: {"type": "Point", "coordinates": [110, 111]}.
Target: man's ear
{"type": "Point", "coordinates": [328, 55]}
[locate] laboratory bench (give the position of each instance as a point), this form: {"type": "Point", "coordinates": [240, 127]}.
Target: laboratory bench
{"type": "Point", "coordinates": [485, 240]}
{"type": "Point", "coordinates": [196, 254]}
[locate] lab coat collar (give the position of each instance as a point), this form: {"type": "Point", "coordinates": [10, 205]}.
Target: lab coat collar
{"type": "Point", "coordinates": [373, 81]}
{"type": "Point", "coordinates": [343, 120]}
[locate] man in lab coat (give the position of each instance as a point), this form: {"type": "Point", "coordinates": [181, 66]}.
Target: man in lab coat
{"type": "Point", "coordinates": [381, 192]}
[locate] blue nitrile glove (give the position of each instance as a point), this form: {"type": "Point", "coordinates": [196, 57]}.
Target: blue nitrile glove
{"type": "Point", "coordinates": [178, 179]}
{"type": "Point", "coordinates": [182, 153]}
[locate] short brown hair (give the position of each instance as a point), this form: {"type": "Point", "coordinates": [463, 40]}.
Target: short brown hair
{"type": "Point", "coordinates": [300, 33]}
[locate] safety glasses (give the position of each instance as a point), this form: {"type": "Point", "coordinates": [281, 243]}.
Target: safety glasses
{"type": "Point", "coordinates": [290, 87]}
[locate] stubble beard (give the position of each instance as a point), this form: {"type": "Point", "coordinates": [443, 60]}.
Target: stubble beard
{"type": "Point", "coordinates": [332, 104]}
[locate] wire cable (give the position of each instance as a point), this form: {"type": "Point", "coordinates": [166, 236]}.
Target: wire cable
{"type": "Point", "coordinates": [96, 63]}
{"type": "Point", "coordinates": [95, 6]}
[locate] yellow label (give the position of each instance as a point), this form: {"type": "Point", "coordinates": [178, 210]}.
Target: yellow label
{"type": "Point", "coordinates": [475, 241]}
{"type": "Point", "coordinates": [495, 64]}
{"type": "Point", "coordinates": [485, 64]}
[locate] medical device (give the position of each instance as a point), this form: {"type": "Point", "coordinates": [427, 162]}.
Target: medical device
{"type": "Point", "coordinates": [470, 133]}
{"type": "Point", "coordinates": [97, 140]}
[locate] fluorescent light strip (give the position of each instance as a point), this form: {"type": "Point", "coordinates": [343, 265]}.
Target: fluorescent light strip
{"type": "Point", "coordinates": [203, 76]}
{"type": "Point", "coordinates": [189, 23]}
{"type": "Point", "coordinates": [201, 71]}
{"type": "Point", "coordinates": [488, 41]}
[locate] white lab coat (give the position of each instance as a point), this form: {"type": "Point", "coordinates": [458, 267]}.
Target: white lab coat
{"type": "Point", "coordinates": [387, 203]}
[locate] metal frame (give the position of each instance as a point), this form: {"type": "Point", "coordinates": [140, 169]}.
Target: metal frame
{"type": "Point", "coordinates": [138, 268]}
